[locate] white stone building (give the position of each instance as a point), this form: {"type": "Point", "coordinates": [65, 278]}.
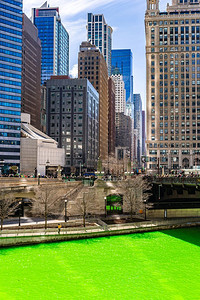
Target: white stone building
{"type": "Point", "coordinates": [38, 151]}
{"type": "Point", "coordinates": [120, 94]}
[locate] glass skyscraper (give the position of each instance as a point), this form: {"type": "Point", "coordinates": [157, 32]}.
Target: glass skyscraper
{"type": "Point", "coordinates": [54, 40]}
{"type": "Point", "coordinates": [10, 82]}
{"type": "Point", "coordinates": [100, 34]}
{"type": "Point", "coordinates": [122, 63]}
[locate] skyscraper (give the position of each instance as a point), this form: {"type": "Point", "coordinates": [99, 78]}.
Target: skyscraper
{"type": "Point", "coordinates": [73, 120]}
{"type": "Point", "coordinates": [120, 93]}
{"type": "Point", "coordinates": [173, 84]}
{"type": "Point", "coordinates": [92, 65]}
{"type": "Point", "coordinates": [138, 124]}
{"type": "Point", "coordinates": [122, 63]}
{"type": "Point", "coordinates": [143, 133]}
{"type": "Point", "coordinates": [31, 72]}
{"type": "Point", "coordinates": [10, 82]}
{"type": "Point", "coordinates": [54, 39]}
{"type": "Point", "coordinates": [111, 116]}
{"type": "Point", "coordinates": [99, 33]}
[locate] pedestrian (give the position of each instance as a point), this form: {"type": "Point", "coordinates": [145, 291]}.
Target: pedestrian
{"type": "Point", "coordinates": [59, 228]}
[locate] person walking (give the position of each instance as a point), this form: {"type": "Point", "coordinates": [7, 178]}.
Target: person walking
{"type": "Point", "coordinates": [59, 228]}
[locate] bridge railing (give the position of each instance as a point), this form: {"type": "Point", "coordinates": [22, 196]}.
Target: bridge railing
{"type": "Point", "coordinates": [172, 180]}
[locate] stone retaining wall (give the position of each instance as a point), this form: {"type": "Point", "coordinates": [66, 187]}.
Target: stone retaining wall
{"type": "Point", "coordinates": [32, 240]}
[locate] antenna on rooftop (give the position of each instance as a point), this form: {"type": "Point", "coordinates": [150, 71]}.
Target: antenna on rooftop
{"type": "Point", "coordinates": [44, 5]}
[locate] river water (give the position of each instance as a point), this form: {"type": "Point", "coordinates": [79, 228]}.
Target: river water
{"type": "Point", "coordinates": [158, 265]}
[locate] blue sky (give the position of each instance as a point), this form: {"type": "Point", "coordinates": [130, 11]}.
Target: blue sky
{"type": "Point", "coordinates": [125, 16]}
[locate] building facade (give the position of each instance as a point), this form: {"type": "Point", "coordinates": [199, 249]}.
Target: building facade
{"type": "Point", "coordinates": [123, 134]}
{"type": "Point", "coordinates": [40, 154]}
{"type": "Point", "coordinates": [143, 133]}
{"type": "Point", "coordinates": [122, 63]}
{"type": "Point", "coordinates": [31, 72]}
{"type": "Point", "coordinates": [73, 121]}
{"type": "Point", "coordinates": [99, 33]}
{"type": "Point", "coordinates": [54, 40]}
{"type": "Point", "coordinates": [10, 83]}
{"type": "Point", "coordinates": [120, 93]}
{"type": "Point", "coordinates": [111, 116]}
{"type": "Point", "coordinates": [138, 124]}
{"type": "Point", "coordinates": [92, 65]}
{"type": "Point", "coordinates": [173, 84]}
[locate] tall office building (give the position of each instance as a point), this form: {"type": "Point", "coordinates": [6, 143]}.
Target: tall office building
{"type": "Point", "coordinates": [143, 133]}
{"type": "Point", "coordinates": [92, 65]}
{"type": "Point", "coordinates": [54, 39]}
{"type": "Point", "coordinates": [120, 93]}
{"type": "Point", "coordinates": [138, 124]}
{"type": "Point", "coordinates": [122, 63]}
{"type": "Point", "coordinates": [31, 72]}
{"type": "Point", "coordinates": [73, 120]}
{"type": "Point", "coordinates": [10, 82]}
{"type": "Point", "coordinates": [173, 84]}
{"type": "Point", "coordinates": [99, 33]}
{"type": "Point", "coordinates": [123, 135]}
{"type": "Point", "coordinates": [111, 116]}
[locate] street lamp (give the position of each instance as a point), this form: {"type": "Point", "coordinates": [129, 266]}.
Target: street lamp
{"type": "Point", "coordinates": [20, 203]}
{"type": "Point", "coordinates": [105, 199]}
{"type": "Point", "coordinates": [2, 163]}
{"type": "Point", "coordinates": [145, 210]}
{"type": "Point", "coordinates": [66, 210]}
{"type": "Point", "coordinates": [160, 185]}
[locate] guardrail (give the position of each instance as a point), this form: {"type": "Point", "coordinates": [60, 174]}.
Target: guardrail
{"type": "Point", "coordinates": [172, 180]}
{"type": "Point", "coordinates": [103, 227]}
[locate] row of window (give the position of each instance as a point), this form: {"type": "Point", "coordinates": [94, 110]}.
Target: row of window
{"type": "Point", "coordinates": [10, 127]}
{"type": "Point", "coordinates": [10, 16]}
{"type": "Point", "coordinates": [10, 38]}
{"type": "Point", "coordinates": [11, 90]}
{"type": "Point", "coordinates": [17, 25]}
{"type": "Point", "coordinates": [5, 142]}
{"type": "Point", "coordinates": [166, 145]}
{"type": "Point", "coordinates": [10, 134]}
{"type": "Point", "coordinates": [18, 4]}
{"type": "Point", "coordinates": [12, 75]}
{"type": "Point", "coordinates": [10, 8]}
{"type": "Point", "coordinates": [9, 45]}
{"type": "Point", "coordinates": [10, 150]}
{"type": "Point", "coordinates": [10, 104]}
{"type": "Point", "coordinates": [10, 82]}
{"type": "Point", "coordinates": [167, 49]}
{"type": "Point", "coordinates": [13, 120]}
{"type": "Point", "coordinates": [12, 53]}
{"type": "Point", "coordinates": [9, 97]}
{"type": "Point", "coordinates": [175, 22]}
{"type": "Point", "coordinates": [6, 29]}
{"type": "Point", "coordinates": [10, 112]}
{"type": "Point", "coordinates": [11, 60]}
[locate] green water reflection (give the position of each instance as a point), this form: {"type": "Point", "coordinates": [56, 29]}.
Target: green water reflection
{"type": "Point", "coordinates": [157, 265]}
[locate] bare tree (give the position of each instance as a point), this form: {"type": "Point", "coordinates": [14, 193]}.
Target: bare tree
{"type": "Point", "coordinates": [48, 201]}
{"type": "Point", "coordinates": [8, 205]}
{"type": "Point", "coordinates": [86, 205]}
{"type": "Point", "coordinates": [136, 193]}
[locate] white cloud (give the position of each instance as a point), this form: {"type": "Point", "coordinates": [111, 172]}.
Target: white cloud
{"type": "Point", "coordinates": [74, 71]}
{"type": "Point", "coordinates": [69, 8]}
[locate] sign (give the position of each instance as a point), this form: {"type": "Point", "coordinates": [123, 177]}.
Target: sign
{"type": "Point", "coordinates": [14, 168]}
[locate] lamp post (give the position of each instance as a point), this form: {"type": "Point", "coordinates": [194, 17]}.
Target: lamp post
{"type": "Point", "coordinates": [66, 210]}
{"type": "Point", "coordinates": [2, 163]}
{"type": "Point", "coordinates": [145, 210]}
{"type": "Point", "coordinates": [159, 191]}
{"type": "Point", "coordinates": [20, 203]}
{"type": "Point", "coordinates": [105, 199]}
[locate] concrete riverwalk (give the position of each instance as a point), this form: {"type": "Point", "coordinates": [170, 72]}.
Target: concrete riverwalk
{"type": "Point", "coordinates": [9, 238]}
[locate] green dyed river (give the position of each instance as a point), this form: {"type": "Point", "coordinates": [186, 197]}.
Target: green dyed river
{"type": "Point", "coordinates": [157, 265]}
